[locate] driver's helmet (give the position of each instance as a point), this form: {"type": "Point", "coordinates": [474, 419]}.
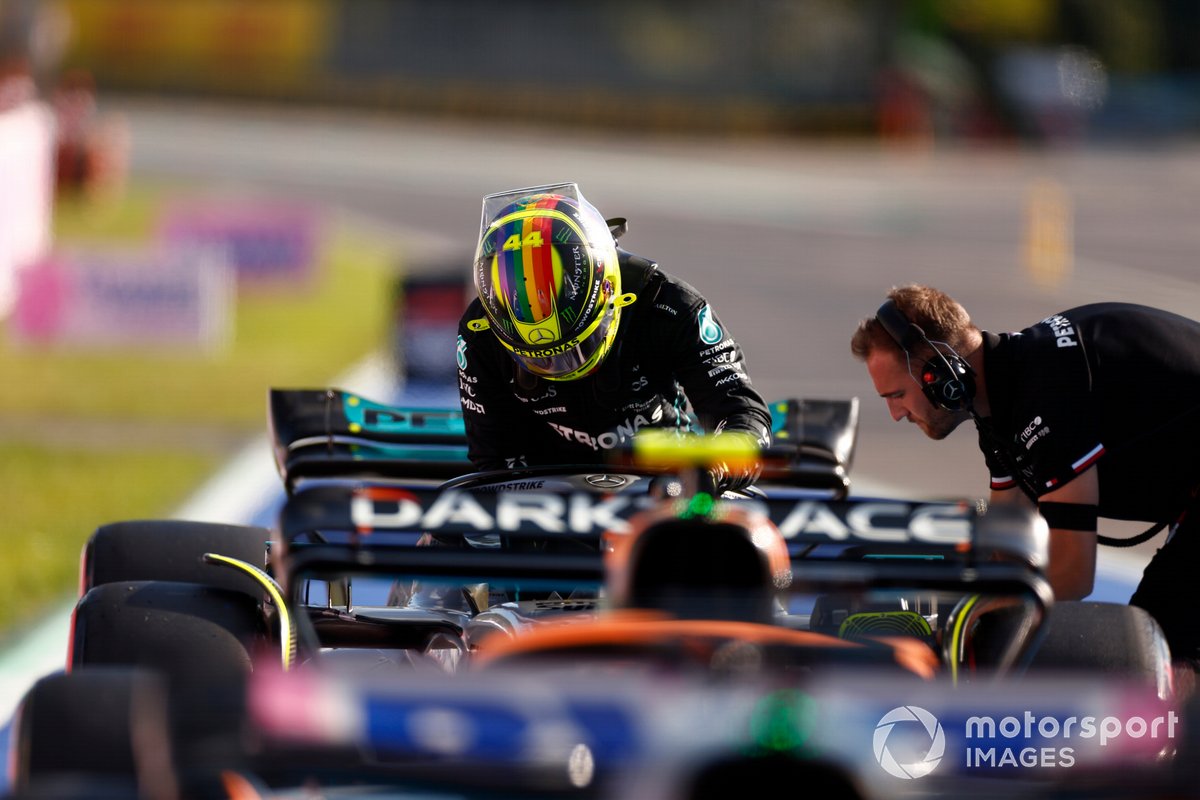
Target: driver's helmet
{"type": "Point", "coordinates": [546, 272]}
{"type": "Point", "coordinates": [698, 560]}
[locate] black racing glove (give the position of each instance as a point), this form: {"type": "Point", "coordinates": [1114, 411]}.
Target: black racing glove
{"type": "Point", "coordinates": [734, 479]}
{"type": "Point", "coordinates": [735, 476]}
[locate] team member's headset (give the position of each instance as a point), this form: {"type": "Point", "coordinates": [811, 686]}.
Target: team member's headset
{"type": "Point", "coordinates": [945, 378]}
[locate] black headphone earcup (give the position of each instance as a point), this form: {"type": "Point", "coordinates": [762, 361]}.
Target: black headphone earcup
{"type": "Point", "coordinates": [948, 382]}
{"type": "Point", "coordinates": [946, 379]}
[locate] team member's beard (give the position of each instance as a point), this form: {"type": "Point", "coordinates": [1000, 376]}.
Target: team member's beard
{"type": "Point", "coordinates": [939, 424]}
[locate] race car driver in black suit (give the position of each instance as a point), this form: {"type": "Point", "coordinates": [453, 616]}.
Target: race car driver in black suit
{"type": "Point", "coordinates": [1091, 412]}
{"type": "Point", "coordinates": [572, 347]}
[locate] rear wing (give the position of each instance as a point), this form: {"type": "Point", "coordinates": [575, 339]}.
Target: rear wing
{"type": "Point", "coordinates": [954, 531]}
{"type": "Point", "coordinates": [824, 432]}
{"type": "Point", "coordinates": [333, 433]}
{"type": "Point", "coordinates": [327, 433]}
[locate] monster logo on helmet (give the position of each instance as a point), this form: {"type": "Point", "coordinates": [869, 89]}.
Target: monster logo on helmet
{"type": "Point", "coordinates": [546, 272]}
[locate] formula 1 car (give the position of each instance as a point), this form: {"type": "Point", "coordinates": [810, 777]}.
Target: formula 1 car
{"type": "Point", "coordinates": [541, 518]}
{"type": "Point", "coordinates": [390, 563]}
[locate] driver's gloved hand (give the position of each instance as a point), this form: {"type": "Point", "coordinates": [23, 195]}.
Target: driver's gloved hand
{"type": "Point", "coordinates": [734, 479]}
{"type": "Point", "coordinates": [736, 476]}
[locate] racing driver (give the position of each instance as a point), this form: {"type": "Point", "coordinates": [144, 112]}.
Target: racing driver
{"type": "Point", "coordinates": [572, 345]}
{"type": "Point", "coordinates": [1092, 412]}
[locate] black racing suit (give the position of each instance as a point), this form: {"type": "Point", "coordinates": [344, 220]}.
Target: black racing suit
{"type": "Point", "coordinates": [671, 349]}
{"type": "Point", "coordinates": [1114, 387]}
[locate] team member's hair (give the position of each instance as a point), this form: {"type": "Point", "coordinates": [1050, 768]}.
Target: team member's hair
{"type": "Point", "coordinates": [938, 315]}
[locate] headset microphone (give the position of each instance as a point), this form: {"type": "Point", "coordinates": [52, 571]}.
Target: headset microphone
{"type": "Point", "coordinates": [946, 378]}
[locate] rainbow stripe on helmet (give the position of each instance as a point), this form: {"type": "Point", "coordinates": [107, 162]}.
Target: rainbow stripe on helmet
{"type": "Point", "coordinates": [528, 269]}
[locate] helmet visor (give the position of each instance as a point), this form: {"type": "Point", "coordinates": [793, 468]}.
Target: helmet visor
{"type": "Point", "coordinates": [495, 204]}
{"type": "Point", "coordinates": [574, 361]}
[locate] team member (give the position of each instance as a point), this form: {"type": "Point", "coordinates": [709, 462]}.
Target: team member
{"type": "Point", "coordinates": [1092, 412]}
{"type": "Point", "coordinates": [573, 346]}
